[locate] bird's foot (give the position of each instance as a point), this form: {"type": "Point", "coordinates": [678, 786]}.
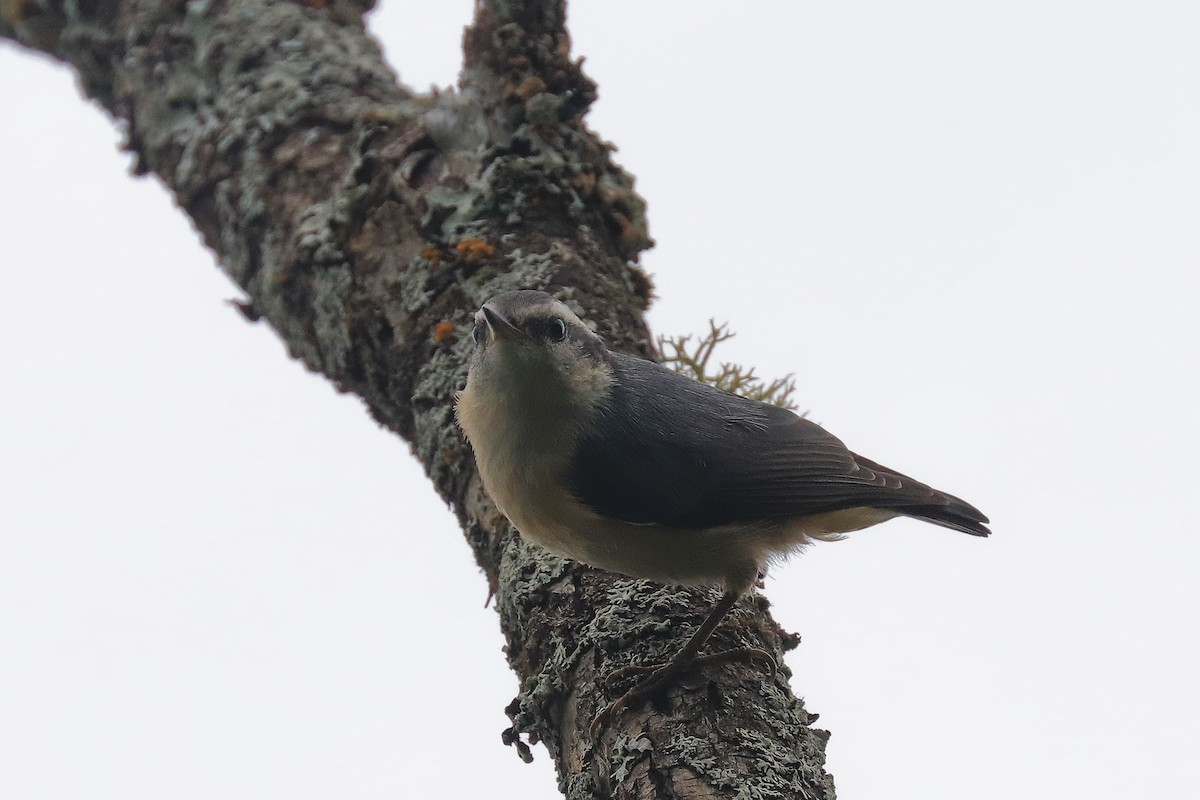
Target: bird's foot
{"type": "Point", "coordinates": [659, 676]}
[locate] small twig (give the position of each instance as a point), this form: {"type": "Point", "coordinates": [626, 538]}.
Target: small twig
{"type": "Point", "coordinates": [679, 354]}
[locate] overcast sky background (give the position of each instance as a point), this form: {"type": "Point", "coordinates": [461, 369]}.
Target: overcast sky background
{"type": "Point", "coordinates": [971, 230]}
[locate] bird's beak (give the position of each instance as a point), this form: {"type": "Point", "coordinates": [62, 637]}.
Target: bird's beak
{"type": "Point", "coordinates": [500, 327]}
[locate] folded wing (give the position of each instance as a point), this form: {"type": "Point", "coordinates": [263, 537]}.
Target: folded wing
{"type": "Point", "coordinates": [685, 454]}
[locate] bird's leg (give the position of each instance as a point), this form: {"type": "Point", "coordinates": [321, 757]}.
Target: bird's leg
{"type": "Point", "coordinates": [688, 656]}
{"type": "Point", "coordinates": [661, 673]}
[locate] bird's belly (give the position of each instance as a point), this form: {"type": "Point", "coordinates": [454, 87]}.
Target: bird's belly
{"type": "Point", "coordinates": [731, 557]}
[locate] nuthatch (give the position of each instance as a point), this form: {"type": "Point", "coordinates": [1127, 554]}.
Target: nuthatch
{"type": "Point", "coordinates": [623, 464]}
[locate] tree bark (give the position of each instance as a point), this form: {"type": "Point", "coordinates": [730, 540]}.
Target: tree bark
{"type": "Point", "coordinates": [366, 223]}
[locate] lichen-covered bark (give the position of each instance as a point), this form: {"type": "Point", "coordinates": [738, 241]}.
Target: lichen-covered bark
{"type": "Point", "coordinates": [366, 223]}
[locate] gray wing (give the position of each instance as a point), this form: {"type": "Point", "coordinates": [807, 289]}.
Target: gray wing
{"type": "Point", "coordinates": [672, 451]}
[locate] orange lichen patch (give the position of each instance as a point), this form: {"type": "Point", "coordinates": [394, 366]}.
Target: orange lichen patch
{"type": "Point", "coordinates": [432, 254]}
{"type": "Point", "coordinates": [474, 249]}
{"type": "Point", "coordinates": [443, 331]}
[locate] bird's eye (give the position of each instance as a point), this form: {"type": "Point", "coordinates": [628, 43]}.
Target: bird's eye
{"type": "Point", "coordinates": [480, 332]}
{"type": "Point", "coordinates": [557, 329]}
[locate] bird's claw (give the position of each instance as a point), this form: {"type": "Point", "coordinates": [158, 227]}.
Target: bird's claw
{"type": "Point", "coordinates": [746, 654]}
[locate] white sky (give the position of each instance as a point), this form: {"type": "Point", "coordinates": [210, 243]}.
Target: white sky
{"type": "Point", "coordinates": [972, 232]}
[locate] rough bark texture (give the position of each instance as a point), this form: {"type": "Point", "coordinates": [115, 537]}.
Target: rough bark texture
{"type": "Point", "coordinates": [366, 223]}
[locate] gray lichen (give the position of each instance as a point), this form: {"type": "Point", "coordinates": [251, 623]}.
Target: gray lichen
{"type": "Point", "coordinates": [773, 772]}
{"type": "Point", "coordinates": [437, 440]}
{"type": "Point", "coordinates": [627, 752]}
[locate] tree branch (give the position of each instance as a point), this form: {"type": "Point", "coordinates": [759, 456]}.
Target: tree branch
{"type": "Point", "coordinates": [366, 223]}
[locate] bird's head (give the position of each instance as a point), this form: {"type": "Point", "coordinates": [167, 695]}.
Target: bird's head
{"type": "Point", "coordinates": [532, 349]}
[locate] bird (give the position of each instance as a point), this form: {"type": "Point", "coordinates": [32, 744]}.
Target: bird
{"type": "Point", "coordinates": [625, 465]}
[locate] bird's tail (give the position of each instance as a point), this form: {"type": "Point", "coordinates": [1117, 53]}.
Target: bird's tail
{"type": "Point", "coordinates": [952, 513]}
{"type": "Point", "coordinates": [932, 505]}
